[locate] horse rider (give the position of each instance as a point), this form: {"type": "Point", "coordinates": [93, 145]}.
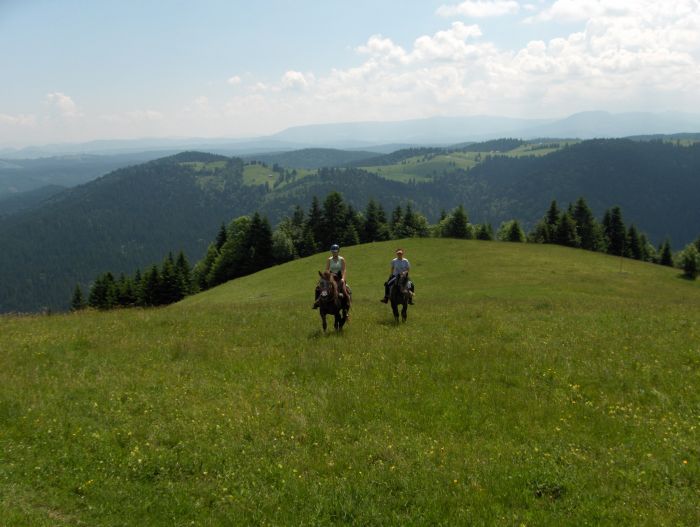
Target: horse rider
{"type": "Point", "coordinates": [336, 266]}
{"type": "Point", "coordinates": [398, 266]}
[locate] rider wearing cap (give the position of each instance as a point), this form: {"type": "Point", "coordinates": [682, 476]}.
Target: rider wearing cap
{"type": "Point", "coordinates": [398, 266]}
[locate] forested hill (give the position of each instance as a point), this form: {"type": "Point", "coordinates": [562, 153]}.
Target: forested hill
{"type": "Point", "coordinates": [656, 184]}
{"type": "Point", "coordinates": [122, 221]}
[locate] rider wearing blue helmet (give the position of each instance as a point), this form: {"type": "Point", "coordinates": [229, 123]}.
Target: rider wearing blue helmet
{"type": "Point", "coordinates": [336, 265]}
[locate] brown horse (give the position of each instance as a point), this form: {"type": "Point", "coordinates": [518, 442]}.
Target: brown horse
{"type": "Point", "coordinates": [399, 296]}
{"type": "Point", "coordinates": [330, 302]}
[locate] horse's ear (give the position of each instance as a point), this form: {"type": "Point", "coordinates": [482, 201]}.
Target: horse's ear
{"type": "Point", "coordinates": [319, 274]}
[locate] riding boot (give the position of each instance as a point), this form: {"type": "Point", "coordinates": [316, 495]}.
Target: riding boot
{"type": "Point", "coordinates": [386, 294]}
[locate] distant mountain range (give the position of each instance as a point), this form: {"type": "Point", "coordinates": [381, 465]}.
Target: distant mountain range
{"type": "Point", "coordinates": [384, 137]}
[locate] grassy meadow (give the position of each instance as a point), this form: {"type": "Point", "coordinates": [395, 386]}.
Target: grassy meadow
{"type": "Point", "coordinates": [532, 385]}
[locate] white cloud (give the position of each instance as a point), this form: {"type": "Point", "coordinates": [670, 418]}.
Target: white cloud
{"type": "Point", "coordinates": [446, 45]}
{"type": "Point", "coordinates": [18, 120]}
{"type": "Point", "coordinates": [294, 80]}
{"type": "Point", "coordinates": [480, 8]}
{"type": "Point", "coordinates": [62, 103]}
{"type": "Point", "coordinates": [235, 80]}
{"type": "Point", "coordinates": [378, 46]}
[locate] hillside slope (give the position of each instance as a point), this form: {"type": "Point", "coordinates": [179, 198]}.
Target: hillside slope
{"type": "Point", "coordinates": [126, 220]}
{"type": "Point", "coordinates": [532, 385]}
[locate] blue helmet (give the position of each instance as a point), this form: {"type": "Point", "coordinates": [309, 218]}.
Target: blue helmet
{"type": "Point", "coordinates": [335, 247]}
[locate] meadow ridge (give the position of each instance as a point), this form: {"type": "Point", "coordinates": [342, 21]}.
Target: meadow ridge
{"type": "Point", "coordinates": [532, 385]}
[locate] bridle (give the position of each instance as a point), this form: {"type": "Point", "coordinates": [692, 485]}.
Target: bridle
{"type": "Point", "coordinates": [328, 290]}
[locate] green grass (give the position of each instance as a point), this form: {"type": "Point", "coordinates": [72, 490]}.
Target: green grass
{"type": "Point", "coordinates": [425, 168]}
{"type": "Point", "coordinates": [531, 385]}
{"type": "Point", "coordinates": [260, 175]}
{"type": "Point", "coordinates": [200, 166]}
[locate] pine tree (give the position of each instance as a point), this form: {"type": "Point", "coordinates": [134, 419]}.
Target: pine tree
{"type": "Point", "coordinates": [540, 234]}
{"type": "Point", "coordinates": [370, 229]}
{"type": "Point", "coordinates": [355, 224]}
{"type": "Point", "coordinates": [203, 268]}
{"type": "Point", "coordinates": [586, 227]}
{"type": "Point", "coordinates": [666, 256]}
{"type": "Point", "coordinates": [307, 245]}
{"type": "Point", "coordinates": [396, 223]}
{"type": "Point", "coordinates": [565, 233]}
{"type": "Point", "coordinates": [615, 232]}
{"type": "Point", "coordinates": [234, 259]}
{"type": "Point", "coordinates": [334, 220]}
{"type": "Point", "coordinates": [78, 301]}
{"type": "Point", "coordinates": [183, 272]}
{"type": "Point", "coordinates": [168, 290]}
{"type": "Point", "coordinates": [150, 287]}
{"type": "Point", "coordinates": [484, 232]}
{"type": "Point", "coordinates": [552, 221]}
{"type": "Point", "coordinates": [409, 222]}
{"type": "Point", "coordinates": [221, 237]}
{"type": "Point", "coordinates": [103, 293]}
{"type": "Point", "coordinates": [259, 244]}
{"type": "Point", "coordinates": [314, 222]}
{"type": "Point", "coordinates": [633, 248]}
{"type": "Point", "coordinates": [510, 231]}
{"type": "Point", "coordinates": [457, 225]}
{"type": "Point", "coordinates": [298, 217]}
{"type": "Point", "coordinates": [126, 296]}
{"type": "Point", "coordinates": [515, 232]}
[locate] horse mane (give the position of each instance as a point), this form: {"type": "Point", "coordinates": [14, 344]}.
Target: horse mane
{"type": "Point", "coordinates": [328, 277]}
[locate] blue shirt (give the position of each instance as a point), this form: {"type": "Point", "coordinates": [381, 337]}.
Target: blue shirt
{"type": "Point", "coordinates": [399, 266]}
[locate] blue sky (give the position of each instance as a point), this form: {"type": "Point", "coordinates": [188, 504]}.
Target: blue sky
{"type": "Point", "coordinates": [80, 70]}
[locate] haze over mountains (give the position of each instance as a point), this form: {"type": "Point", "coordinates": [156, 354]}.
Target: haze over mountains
{"type": "Point", "coordinates": [385, 137]}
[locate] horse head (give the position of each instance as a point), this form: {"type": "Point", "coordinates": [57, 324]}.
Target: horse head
{"type": "Point", "coordinates": [327, 286]}
{"type": "Point", "coordinates": [402, 282]}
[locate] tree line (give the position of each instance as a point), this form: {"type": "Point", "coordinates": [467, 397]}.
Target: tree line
{"type": "Point", "coordinates": [249, 244]}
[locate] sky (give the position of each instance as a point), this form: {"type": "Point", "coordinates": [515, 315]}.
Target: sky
{"type": "Point", "coordinates": [81, 70]}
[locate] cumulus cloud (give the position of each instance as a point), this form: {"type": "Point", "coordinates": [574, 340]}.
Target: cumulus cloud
{"type": "Point", "coordinates": [62, 103]}
{"type": "Point", "coordinates": [294, 80]}
{"type": "Point", "coordinates": [235, 80]}
{"type": "Point", "coordinates": [480, 9]}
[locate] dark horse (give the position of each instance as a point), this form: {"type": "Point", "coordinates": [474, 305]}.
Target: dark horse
{"type": "Point", "coordinates": [330, 302]}
{"type": "Point", "coordinates": [399, 296]}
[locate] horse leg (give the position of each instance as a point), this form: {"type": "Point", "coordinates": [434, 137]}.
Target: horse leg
{"type": "Point", "coordinates": [323, 320]}
{"type": "Point", "coordinates": [404, 312]}
{"type": "Point", "coordinates": [395, 310]}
